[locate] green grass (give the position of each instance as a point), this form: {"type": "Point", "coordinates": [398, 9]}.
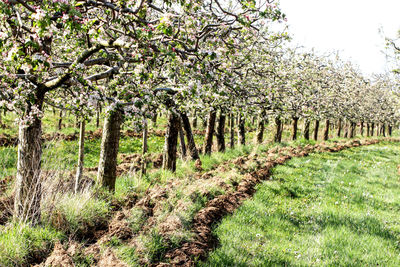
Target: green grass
{"type": "Point", "coordinates": [22, 243]}
{"type": "Point", "coordinates": [77, 214]}
{"type": "Point", "coordinates": [330, 209]}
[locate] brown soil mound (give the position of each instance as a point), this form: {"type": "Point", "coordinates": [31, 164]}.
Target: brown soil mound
{"type": "Point", "coordinates": [59, 258]}
{"type": "Point", "coordinates": [108, 259]}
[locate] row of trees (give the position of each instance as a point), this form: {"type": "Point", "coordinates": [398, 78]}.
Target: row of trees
{"type": "Point", "coordinates": [189, 58]}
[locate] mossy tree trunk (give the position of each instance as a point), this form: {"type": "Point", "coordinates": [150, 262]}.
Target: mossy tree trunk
{"type": "Point", "coordinates": [28, 184]}
{"type": "Point", "coordinates": [107, 172]}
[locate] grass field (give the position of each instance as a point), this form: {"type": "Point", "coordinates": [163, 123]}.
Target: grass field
{"type": "Point", "coordinates": [330, 209]}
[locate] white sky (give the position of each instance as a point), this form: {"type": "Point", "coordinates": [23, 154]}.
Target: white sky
{"type": "Point", "coordinates": [349, 26]}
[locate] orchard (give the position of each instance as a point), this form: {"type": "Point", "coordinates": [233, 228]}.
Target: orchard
{"type": "Point", "coordinates": [124, 123]}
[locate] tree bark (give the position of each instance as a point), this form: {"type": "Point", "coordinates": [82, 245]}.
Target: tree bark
{"type": "Point", "coordinates": [377, 129]}
{"type": "Point", "coordinates": [278, 133]}
{"type": "Point", "coordinates": [232, 131]}
{"type": "Point", "coordinates": [295, 123]}
{"type": "Point", "coordinates": [194, 153]}
{"type": "Point", "coordinates": [220, 134]}
{"type": "Point", "coordinates": [208, 141]}
{"type": "Point", "coordinates": [28, 185]}
{"type": "Point", "coordinates": [316, 129]}
{"type": "Point", "coordinates": [107, 172]}
{"type": "Point", "coordinates": [194, 120]}
{"type": "Point", "coordinates": [154, 119]}
{"type": "Point", "coordinates": [353, 127]}
{"type": "Point", "coordinates": [306, 130]}
{"type": "Point", "coordinates": [260, 127]}
{"type": "Point", "coordinates": [60, 120]}
{"type": "Point", "coordinates": [383, 130]}
{"type": "Point", "coordinates": [204, 123]}
{"type": "Point", "coordinates": [81, 154]}
{"type": "Point", "coordinates": [390, 130]}
{"type": "Point", "coordinates": [182, 142]}
{"type": "Point", "coordinates": [326, 131]}
{"type": "Point", "coordinates": [242, 130]}
{"type": "Point", "coordinates": [339, 131]}
{"type": "Point", "coordinates": [372, 129]}
{"type": "Point", "coordinates": [171, 141]}
{"type": "Point", "coordinates": [362, 128]}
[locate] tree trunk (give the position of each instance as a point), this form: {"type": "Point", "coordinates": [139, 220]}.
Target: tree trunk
{"type": "Point", "coordinates": [60, 120]}
{"type": "Point", "coordinates": [372, 129]}
{"type": "Point", "coordinates": [145, 148]}
{"type": "Point", "coordinates": [81, 154]}
{"type": "Point", "coordinates": [306, 130]}
{"type": "Point", "coordinates": [316, 129]}
{"type": "Point", "coordinates": [390, 130]}
{"type": "Point", "coordinates": [362, 128]}
{"type": "Point", "coordinates": [377, 129]}
{"type": "Point", "coordinates": [221, 131]}
{"type": "Point", "coordinates": [28, 185]}
{"type": "Point", "coordinates": [242, 130]}
{"type": "Point", "coordinates": [295, 123]}
{"type": "Point", "coordinates": [182, 142]}
{"type": "Point", "coordinates": [204, 123]}
{"type": "Point", "coordinates": [383, 130]}
{"type": "Point", "coordinates": [260, 127]}
{"type": "Point", "coordinates": [171, 141]}
{"type": "Point", "coordinates": [107, 172]}
{"type": "Point", "coordinates": [208, 141]}
{"type": "Point", "coordinates": [326, 131]}
{"type": "Point", "coordinates": [97, 117]}
{"type": "Point", "coordinates": [339, 131]}
{"type": "Point", "coordinates": [154, 119]}
{"type": "Point", "coordinates": [194, 120]}
{"type": "Point", "coordinates": [232, 131]}
{"type": "Point", "coordinates": [353, 127]}
{"type": "Point", "coordinates": [194, 153]}
{"type": "Point", "coordinates": [278, 133]}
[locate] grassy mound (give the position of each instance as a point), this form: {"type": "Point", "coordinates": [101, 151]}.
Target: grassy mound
{"type": "Point", "coordinates": [336, 209]}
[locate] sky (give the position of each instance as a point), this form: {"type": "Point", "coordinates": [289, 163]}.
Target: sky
{"type": "Point", "coordinates": [350, 26]}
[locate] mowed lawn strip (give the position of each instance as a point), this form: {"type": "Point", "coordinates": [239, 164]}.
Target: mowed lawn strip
{"type": "Point", "coordinates": [330, 209]}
